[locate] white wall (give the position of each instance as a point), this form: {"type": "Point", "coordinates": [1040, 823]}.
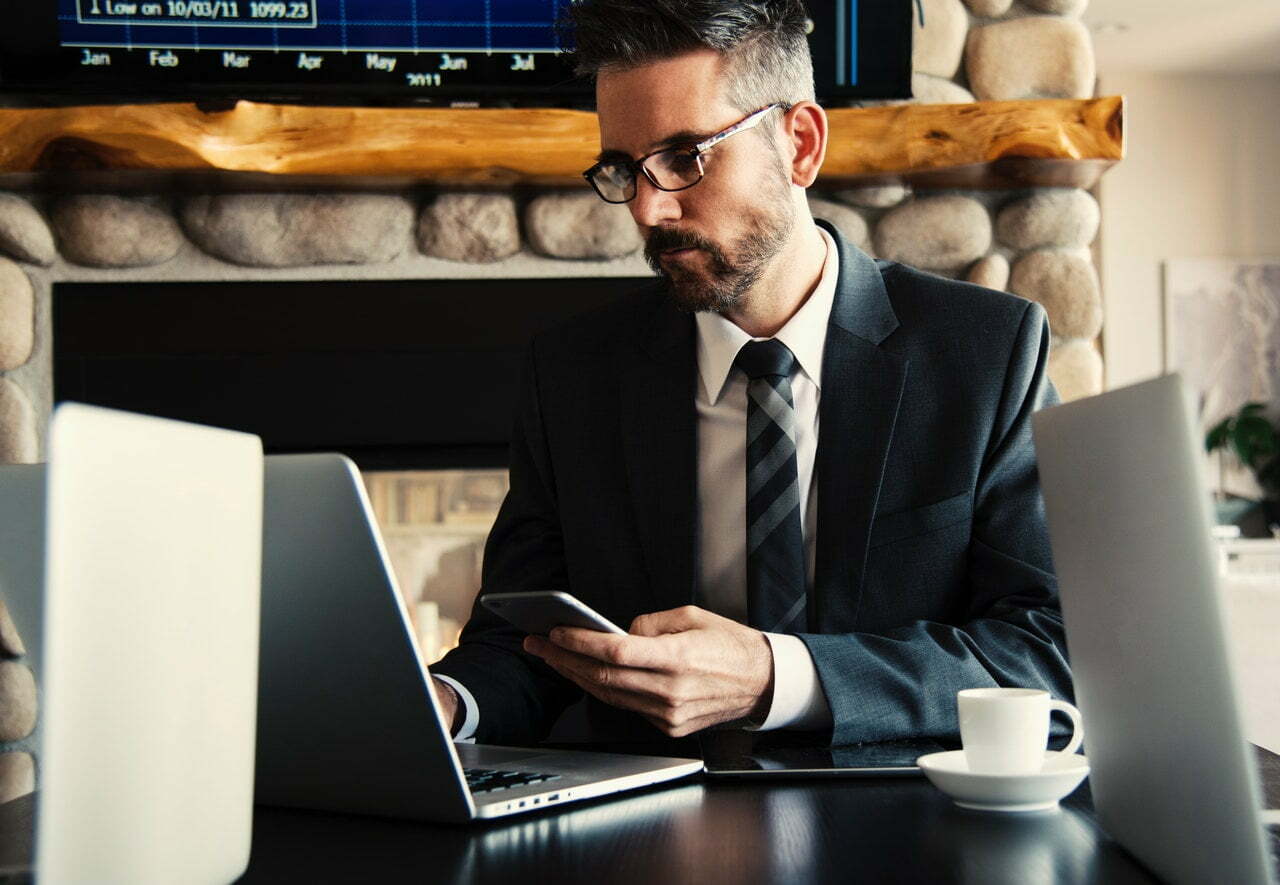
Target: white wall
{"type": "Point", "coordinates": [1253, 622]}
{"type": "Point", "coordinates": [1201, 177]}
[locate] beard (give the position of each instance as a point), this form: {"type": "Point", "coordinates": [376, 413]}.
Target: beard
{"type": "Point", "coordinates": [731, 270]}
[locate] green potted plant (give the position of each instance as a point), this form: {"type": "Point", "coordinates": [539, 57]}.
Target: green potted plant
{"type": "Point", "coordinates": [1251, 436]}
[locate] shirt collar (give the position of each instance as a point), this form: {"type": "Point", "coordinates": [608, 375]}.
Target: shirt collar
{"type": "Point", "coordinates": [805, 334]}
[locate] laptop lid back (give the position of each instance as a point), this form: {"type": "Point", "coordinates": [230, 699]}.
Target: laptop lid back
{"type": "Point", "coordinates": [1128, 512]}
{"type": "Point", "coordinates": [347, 720]}
{"type": "Point", "coordinates": [153, 566]}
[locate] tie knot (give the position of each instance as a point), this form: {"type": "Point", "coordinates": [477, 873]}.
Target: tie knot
{"type": "Point", "coordinates": [761, 358]}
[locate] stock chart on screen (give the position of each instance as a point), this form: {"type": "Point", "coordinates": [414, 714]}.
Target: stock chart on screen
{"type": "Point", "coordinates": [422, 44]}
{"type": "Point", "coordinates": [357, 51]}
{"type": "Point", "coordinates": [318, 25]}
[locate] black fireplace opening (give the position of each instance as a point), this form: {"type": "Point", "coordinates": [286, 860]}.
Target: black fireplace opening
{"type": "Point", "coordinates": [396, 374]}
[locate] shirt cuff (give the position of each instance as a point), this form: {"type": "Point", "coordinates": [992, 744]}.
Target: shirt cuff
{"type": "Point", "coordinates": [798, 700]}
{"type": "Point", "coordinates": [471, 710]}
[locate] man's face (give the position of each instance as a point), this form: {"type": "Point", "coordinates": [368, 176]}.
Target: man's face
{"type": "Point", "coordinates": [714, 240]}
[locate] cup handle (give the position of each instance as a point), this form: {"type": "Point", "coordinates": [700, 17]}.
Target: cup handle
{"type": "Point", "coordinates": [1077, 725]}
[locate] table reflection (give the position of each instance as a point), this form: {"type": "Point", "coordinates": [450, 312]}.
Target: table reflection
{"type": "Point", "coordinates": [1052, 846]}
{"type": "Point", "coordinates": [708, 831]}
{"type": "Point", "coordinates": [601, 834]}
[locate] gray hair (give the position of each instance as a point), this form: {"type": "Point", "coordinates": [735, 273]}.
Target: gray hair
{"type": "Point", "coordinates": [763, 42]}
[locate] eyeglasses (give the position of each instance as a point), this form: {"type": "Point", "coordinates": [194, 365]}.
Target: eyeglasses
{"type": "Point", "coordinates": [670, 169]}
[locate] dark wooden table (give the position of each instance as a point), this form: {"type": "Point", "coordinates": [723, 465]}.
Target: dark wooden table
{"type": "Point", "coordinates": [696, 831]}
{"type": "Point", "coordinates": [705, 831]}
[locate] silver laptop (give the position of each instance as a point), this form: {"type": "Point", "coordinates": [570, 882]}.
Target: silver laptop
{"type": "Point", "coordinates": [346, 718]}
{"type": "Point", "coordinates": [1128, 509]}
{"type": "Point", "coordinates": [137, 554]}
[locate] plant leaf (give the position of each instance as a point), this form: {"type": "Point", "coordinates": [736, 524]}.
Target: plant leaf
{"type": "Point", "coordinates": [1216, 438]}
{"type": "Point", "coordinates": [1253, 439]}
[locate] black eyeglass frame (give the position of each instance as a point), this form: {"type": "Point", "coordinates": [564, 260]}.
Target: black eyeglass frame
{"type": "Point", "coordinates": [696, 151]}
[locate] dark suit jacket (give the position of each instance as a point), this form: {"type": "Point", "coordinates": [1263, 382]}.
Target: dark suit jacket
{"type": "Point", "coordinates": [933, 569]}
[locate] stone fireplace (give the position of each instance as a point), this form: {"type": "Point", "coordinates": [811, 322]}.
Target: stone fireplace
{"type": "Point", "coordinates": [1029, 239]}
{"type": "Point", "coordinates": [1033, 242]}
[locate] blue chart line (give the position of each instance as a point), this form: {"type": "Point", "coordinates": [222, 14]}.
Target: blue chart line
{"type": "Point", "coordinates": [847, 43]}
{"type": "Point", "coordinates": [853, 42]}
{"type": "Point", "coordinates": [318, 25]}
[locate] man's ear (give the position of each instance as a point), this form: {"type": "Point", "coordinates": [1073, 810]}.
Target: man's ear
{"type": "Point", "coordinates": [805, 129]}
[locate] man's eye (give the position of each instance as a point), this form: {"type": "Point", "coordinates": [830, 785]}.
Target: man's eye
{"type": "Point", "coordinates": [618, 173]}
{"type": "Point", "coordinates": [684, 162]}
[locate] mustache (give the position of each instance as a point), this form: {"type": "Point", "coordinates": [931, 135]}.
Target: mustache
{"type": "Point", "coordinates": [662, 239]}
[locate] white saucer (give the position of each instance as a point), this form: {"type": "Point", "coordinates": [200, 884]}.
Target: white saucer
{"type": "Point", "coordinates": [1061, 774]}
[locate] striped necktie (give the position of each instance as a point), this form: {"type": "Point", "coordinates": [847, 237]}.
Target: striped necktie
{"type": "Point", "coordinates": [775, 546]}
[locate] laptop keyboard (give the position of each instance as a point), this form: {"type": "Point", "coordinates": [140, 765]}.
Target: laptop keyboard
{"type": "Point", "coordinates": [490, 780]}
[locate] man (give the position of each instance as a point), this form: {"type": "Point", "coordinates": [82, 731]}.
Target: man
{"type": "Point", "coordinates": [805, 479]}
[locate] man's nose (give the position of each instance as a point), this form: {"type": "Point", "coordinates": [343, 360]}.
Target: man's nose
{"type": "Point", "coordinates": [653, 206]}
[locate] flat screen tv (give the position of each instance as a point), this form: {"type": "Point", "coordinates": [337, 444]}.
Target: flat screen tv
{"type": "Point", "coordinates": [441, 52]}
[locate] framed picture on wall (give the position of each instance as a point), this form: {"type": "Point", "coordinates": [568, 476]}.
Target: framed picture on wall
{"type": "Point", "coordinates": [1222, 333]}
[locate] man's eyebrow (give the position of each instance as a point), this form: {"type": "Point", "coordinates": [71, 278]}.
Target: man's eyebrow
{"type": "Point", "coordinates": [612, 155]}
{"type": "Point", "coordinates": [685, 136]}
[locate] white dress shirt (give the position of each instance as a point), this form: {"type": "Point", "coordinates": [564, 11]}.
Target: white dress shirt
{"type": "Point", "coordinates": [721, 403]}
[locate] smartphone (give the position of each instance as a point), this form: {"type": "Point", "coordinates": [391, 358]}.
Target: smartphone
{"type": "Point", "coordinates": [538, 611]}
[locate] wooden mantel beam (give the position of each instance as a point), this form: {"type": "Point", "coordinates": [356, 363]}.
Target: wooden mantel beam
{"type": "Point", "coordinates": [986, 144]}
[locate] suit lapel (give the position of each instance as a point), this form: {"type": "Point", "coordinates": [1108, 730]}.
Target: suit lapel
{"type": "Point", "coordinates": [660, 444]}
{"type": "Point", "coordinates": [862, 386]}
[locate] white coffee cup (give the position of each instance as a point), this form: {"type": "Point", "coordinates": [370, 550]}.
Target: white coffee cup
{"type": "Point", "coordinates": [1006, 730]}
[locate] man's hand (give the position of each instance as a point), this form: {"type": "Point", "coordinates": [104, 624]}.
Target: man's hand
{"type": "Point", "coordinates": [449, 703]}
{"type": "Point", "coordinates": [684, 669]}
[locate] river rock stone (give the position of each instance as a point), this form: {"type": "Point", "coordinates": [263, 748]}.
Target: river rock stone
{"type": "Point", "coordinates": [17, 316]}
{"type": "Point", "coordinates": [989, 8]}
{"type": "Point", "coordinates": [101, 230]}
{"type": "Point", "coordinates": [881, 196]}
{"type": "Point", "coordinates": [10, 641]}
{"type": "Point", "coordinates": [992, 272]}
{"type": "Point", "coordinates": [17, 775]}
{"type": "Point", "coordinates": [1066, 285]}
{"type": "Point", "coordinates": [476, 228]}
{"type": "Point", "coordinates": [1058, 7]}
{"type": "Point", "coordinates": [577, 225]}
{"type": "Point", "coordinates": [846, 220]}
{"type": "Point", "coordinates": [935, 233]}
{"type": "Point", "coordinates": [296, 230]}
{"type": "Point", "coordinates": [1075, 368]}
{"type": "Point", "coordinates": [935, 90]}
{"type": "Point", "coordinates": [24, 233]}
{"type": "Point", "coordinates": [18, 440]}
{"type": "Point", "coordinates": [17, 701]}
{"type": "Point", "coordinates": [1064, 218]}
{"type": "Point", "coordinates": [1034, 57]}
{"type": "Point", "coordinates": [937, 47]}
